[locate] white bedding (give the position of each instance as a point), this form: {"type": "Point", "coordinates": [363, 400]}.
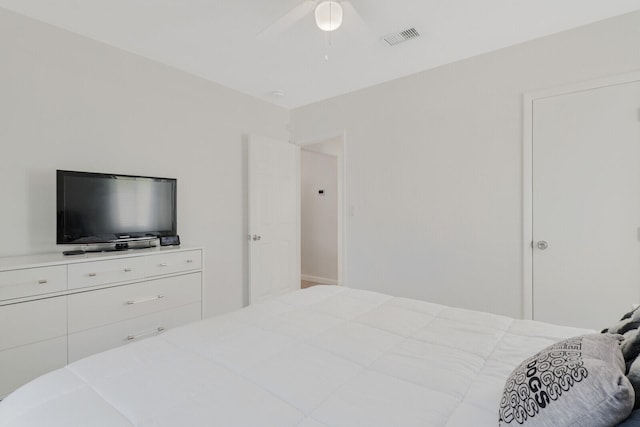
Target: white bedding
{"type": "Point", "coordinates": [324, 356]}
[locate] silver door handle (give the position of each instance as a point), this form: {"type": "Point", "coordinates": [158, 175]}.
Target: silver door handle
{"type": "Point", "coordinates": [255, 237]}
{"type": "Point", "coordinates": [542, 245]}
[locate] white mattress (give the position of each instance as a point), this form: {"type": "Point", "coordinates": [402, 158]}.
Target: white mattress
{"type": "Point", "coordinates": [325, 356]}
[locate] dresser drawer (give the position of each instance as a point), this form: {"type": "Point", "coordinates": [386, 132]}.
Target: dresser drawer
{"type": "Point", "coordinates": [22, 364]}
{"type": "Point", "coordinates": [32, 281]}
{"type": "Point", "coordinates": [32, 321]}
{"type": "Point", "coordinates": [175, 262]}
{"type": "Point", "coordinates": [95, 273]}
{"type": "Point", "coordinates": [100, 307]}
{"type": "Point", "coordinates": [85, 343]}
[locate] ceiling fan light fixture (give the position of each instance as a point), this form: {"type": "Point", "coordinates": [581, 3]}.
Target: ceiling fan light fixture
{"type": "Point", "coordinates": [328, 15]}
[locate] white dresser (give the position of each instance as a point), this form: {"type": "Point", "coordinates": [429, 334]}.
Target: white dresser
{"type": "Point", "coordinates": [56, 309]}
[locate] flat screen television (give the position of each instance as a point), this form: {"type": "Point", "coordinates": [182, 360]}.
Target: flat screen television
{"type": "Point", "coordinates": [111, 208]}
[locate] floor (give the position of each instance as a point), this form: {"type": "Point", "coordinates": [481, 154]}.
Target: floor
{"type": "Point", "coordinates": [307, 284]}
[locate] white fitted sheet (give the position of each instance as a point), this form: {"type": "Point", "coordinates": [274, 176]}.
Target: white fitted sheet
{"type": "Point", "coordinates": [326, 356]}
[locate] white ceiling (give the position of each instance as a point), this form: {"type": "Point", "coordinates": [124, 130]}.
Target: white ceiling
{"type": "Point", "coordinates": [218, 39]}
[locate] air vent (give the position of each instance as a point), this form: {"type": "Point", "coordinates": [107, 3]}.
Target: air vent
{"type": "Point", "coordinates": [395, 38]}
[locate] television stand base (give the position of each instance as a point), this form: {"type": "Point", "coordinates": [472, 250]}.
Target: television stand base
{"type": "Point", "coordinates": [74, 252]}
{"type": "Point", "coordinates": [122, 246]}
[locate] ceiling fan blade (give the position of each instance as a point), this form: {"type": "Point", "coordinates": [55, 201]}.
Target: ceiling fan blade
{"type": "Point", "coordinates": [288, 19]}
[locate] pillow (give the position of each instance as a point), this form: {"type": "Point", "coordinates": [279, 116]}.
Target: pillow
{"type": "Point", "coordinates": [630, 320]}
{"type": "Point", "coordinates": [579, 381]}
{"type": "Point", "coordinates": [633, 374]}
{"type": "Point", "coordinates": [632, 421]}
{"type": "Point", "coordinates": [628, 326]}
{"type": "Point", "coordinates": [630, 346]}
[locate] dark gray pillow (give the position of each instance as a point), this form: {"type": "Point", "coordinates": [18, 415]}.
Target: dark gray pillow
{"type": "Point", "coordinates": [632, 421]}
{"type": "Point", "coordinates": [630, 320]}
{"type": "Point", "coordinates": [579, 381]}
{"type": "Point", "coordinates": [628, 327]}
{"type": "Point", "coordinates": [633, 374]}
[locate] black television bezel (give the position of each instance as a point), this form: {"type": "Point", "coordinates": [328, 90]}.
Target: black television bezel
{"type": "Point", "coordinates": [88, 240]}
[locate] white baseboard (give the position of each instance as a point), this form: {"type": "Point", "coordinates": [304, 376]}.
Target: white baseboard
{"type": "Point", "coordinates": [317, 279]}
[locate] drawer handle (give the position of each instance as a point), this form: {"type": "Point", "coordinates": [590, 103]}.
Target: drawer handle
{"type": "Point", "coordinates": [138, 301]}
{"type": "Point", "coordinates": [145, 334]}
{"type": "Point", "coordinates": [93, 274]}
{"type": "Point", "coordinates": [164, 264]}
{"type": "Point", "coordinates": [42, 282]}
{"type": "Point", "coordinates": [189, 261]}
{"type": "Point", "coordinates": [128, 270]}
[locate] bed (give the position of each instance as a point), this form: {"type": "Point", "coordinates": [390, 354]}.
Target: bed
{"type": "Point", "coordinates": [324, 356]}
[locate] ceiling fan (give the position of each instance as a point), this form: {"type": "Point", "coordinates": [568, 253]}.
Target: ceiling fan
{"type": "Point", "coordinates": [328, 15]}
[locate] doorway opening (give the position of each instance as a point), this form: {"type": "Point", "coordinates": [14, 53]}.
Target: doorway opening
{"type": "Point", "coordinates": [321, 212]}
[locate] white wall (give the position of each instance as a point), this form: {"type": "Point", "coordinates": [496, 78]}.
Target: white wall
{"type": "Point", "coordinates": [434, 165]}
{"type": "Point", "coordinates": [319, 217]}
{"type": "Point", "coordinates": [67, 102]}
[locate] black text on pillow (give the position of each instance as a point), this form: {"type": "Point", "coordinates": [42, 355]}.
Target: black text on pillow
{"type": "Point", "coordinates": [575, 382]}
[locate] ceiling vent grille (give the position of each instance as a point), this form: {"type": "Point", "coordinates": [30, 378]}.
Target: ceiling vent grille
{"type": "Point", "coordinates": [402, 36]}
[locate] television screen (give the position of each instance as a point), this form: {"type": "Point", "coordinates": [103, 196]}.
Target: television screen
{"type": "Point", "coordinates": [102, 208]}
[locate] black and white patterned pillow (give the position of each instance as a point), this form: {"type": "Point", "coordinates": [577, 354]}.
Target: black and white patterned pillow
{"type": "Point", "coordinates": [579, 381]}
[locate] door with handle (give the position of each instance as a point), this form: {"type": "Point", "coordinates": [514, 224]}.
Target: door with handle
{"type": "Point", "coordinates": [274, 242]}
{"type": "Point", "coordinates": [586, 205]}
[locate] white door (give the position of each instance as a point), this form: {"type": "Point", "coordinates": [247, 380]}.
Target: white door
{"type": "Point", "coordinates": [274, 242]}
{"type": "Point", "coordinates": [586, 205]}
